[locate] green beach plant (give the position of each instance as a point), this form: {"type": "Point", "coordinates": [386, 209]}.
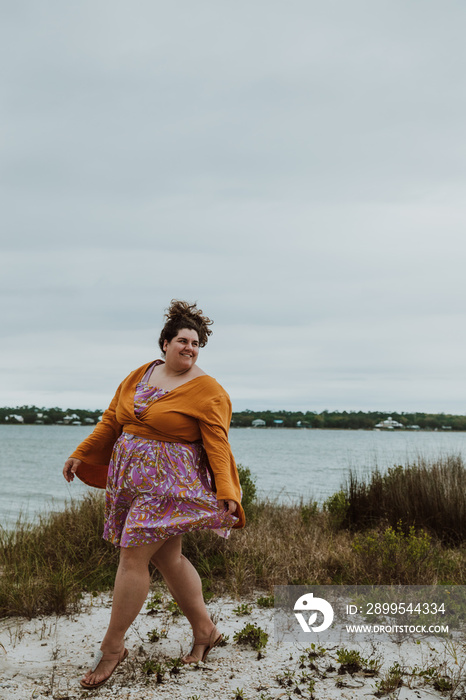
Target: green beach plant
{"type": "Point", "coordinates": [243, 609]}
{"type": "Point", "coordinates": [150, 667]}
{"type": "Point", "coordinates": [266, 601]}
{"type": "Point", "coordinates": [253, 635]}
{"type": "Point", "coordinates": [155, 634]}
{"type": "Point", "coordinates": [351, 661]}
{"type": "Point", "coordinates": [239, 694]}
{"type": "Point", "coordinates": [153, 606]}
{"type": "Point", "coordinates": [173, 608]}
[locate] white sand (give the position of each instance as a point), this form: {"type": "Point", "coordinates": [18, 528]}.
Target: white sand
{"type": "Point", "coordinates": [45, 657]}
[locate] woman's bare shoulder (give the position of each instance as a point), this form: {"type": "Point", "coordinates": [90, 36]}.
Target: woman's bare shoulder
{"type": "Point", "coordinates": [199, 372]}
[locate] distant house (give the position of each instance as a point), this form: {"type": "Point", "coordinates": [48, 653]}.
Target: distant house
{"type": "Point", "coordinates": [278, 422]}
{"type": "Point", "coordinates": [413, 427]}
{"type": "Point", "coordinates": [258, 423]}
{"type": "Point", "coordinates": [13, 418]}
{"type": "Point", "coordinates": [71, 419]}
{"type": "Point", "coordinates": [88, 421]}
{"type": "Point", "coordinates": [389, 424]}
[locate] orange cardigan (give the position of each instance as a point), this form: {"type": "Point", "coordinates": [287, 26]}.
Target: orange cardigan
{"type": "Point", "coordinates": [199, 410]}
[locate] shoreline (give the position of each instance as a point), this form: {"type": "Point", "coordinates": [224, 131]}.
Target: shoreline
{"type": "Point", "coordinates": [261, 428]}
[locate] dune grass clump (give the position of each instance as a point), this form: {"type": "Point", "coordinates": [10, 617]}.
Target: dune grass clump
{"type": "Point", "coordinates": [424, 495]}
{"type": "Point", "coordinates": [46, 566]}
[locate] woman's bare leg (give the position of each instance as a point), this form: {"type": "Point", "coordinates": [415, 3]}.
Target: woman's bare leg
{"type": "Point", "coordinates": [131, 589]}
{"type": "Point", "coordinates": [185, 585]}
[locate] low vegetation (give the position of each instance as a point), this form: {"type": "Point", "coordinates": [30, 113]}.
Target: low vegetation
{"type": "Point", "coordinates": [419, 495]}
{"type": "Point", "coordinates": [46, 567]}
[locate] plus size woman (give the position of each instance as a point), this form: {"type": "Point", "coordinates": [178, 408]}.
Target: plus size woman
{"type": "Point", "coordinates": [161, 452]}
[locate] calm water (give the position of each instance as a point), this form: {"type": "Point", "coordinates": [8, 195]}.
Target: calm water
{"type": "Point", "coordinates": [287, 463]}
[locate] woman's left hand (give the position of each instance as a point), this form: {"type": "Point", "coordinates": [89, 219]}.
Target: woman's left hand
{"type": "Point", "coordinates": [227, 505]}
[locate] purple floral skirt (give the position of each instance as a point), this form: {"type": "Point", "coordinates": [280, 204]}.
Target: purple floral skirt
{"type": "Point", "coordinates": [156, 490]}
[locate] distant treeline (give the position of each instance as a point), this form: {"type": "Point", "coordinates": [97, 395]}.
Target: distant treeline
{"type": "Point", "coordinates": [46, 416]}
{"type": "Point", "coordinates": [342, 420]}
{"type": "Point", "coordinates": [349, 420]}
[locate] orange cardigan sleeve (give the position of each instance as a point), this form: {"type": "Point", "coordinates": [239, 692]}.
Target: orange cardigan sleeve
{"type": "Point", "coordinates": [96, 450]}
{"type": "Point", "coordinates": [214, 426]}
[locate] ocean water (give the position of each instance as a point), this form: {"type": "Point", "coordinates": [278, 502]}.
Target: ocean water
{"type": "Point", "coordinates": [287, 464]}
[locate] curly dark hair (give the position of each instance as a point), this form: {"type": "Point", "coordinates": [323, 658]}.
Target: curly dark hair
{"type": "Point", "coordinates": [181, 314]}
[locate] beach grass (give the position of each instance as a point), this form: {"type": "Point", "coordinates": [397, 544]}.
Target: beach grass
{"type": "Point", "coordinates": [420, 494]}
{"type": "Point", "coordinates": [47, 566]}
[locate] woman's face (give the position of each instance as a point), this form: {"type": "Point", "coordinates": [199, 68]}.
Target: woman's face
{"type": "Point", "coordinates": [182, 351]}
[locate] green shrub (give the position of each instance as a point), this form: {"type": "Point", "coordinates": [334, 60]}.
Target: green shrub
{"type": "Point", "coordinates": [397, 557]}
{"type": "Point", "coordinates": [248, 486]}
{"type": "Point", "coordinates": [309, 511]}
{"type": "Point", "coordinates": [337, 505]}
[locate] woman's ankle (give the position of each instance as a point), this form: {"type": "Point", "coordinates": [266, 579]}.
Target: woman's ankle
{"type": "Point", "coordinates": [112, 645]}
{"type": "Point", "coordinates": [203, 631]}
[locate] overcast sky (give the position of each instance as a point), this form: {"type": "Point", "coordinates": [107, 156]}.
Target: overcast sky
{"type": "Point", "coordinates": [297, 168]}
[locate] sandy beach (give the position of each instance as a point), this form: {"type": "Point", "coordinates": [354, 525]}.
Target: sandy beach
{"type": "Point", "coordinates": [45, 657]}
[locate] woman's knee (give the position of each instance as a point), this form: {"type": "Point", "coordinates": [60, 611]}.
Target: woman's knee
{"type": "Point", "coordinates": [168, 555]}
{"type": "Point", "coordinates": [130, 559]}
{"type": "Point", "coordinates": [136, 557]}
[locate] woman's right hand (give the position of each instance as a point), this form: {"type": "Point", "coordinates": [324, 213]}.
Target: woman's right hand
{"type": "Point", "coordinates": [70, 467]}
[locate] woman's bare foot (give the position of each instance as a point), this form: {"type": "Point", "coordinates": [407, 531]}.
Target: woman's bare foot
{"type": "Point", "coordinates": [106, 665]}
{"type": "Point", "coordinates": [195, 654]}
{"type": "Point", "coordinates": [202, 646]}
